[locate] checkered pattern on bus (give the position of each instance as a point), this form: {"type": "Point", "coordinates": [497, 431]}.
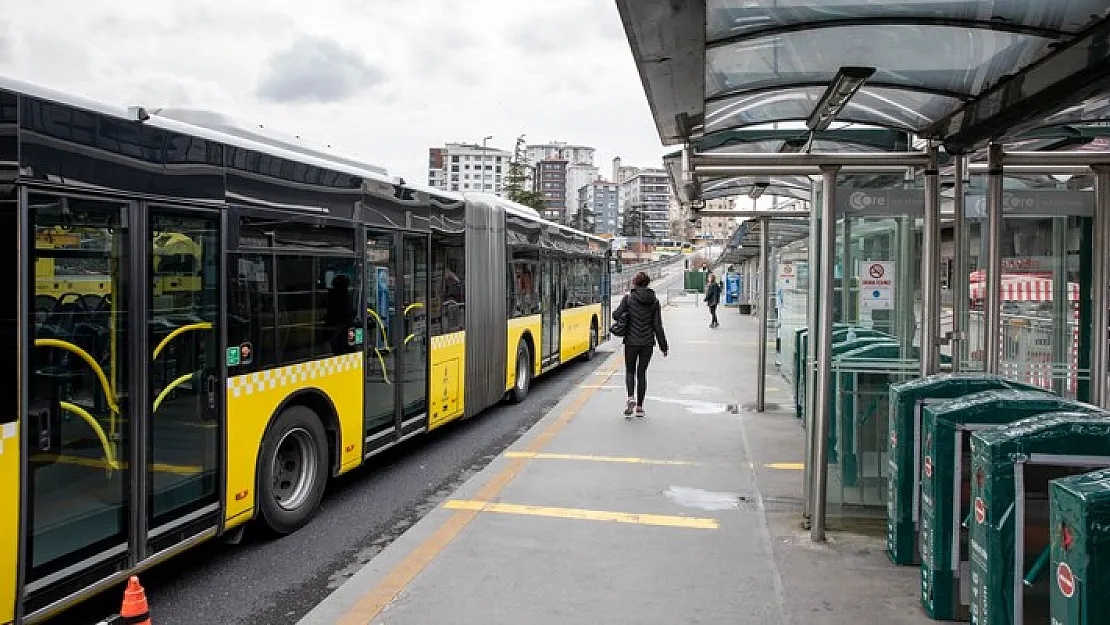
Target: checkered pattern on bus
{"type": "Point", "coordinates": [262, 381]}
{"type": "Point", "coordinates": [447, 340]}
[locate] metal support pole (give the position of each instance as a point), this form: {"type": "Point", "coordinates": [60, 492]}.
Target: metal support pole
{"type": "Point", "coordinates": [764, 313]}
{"type": "Point", "coordinates": [1061, 306]}
{"type": "Point", "coordinates": [1100, 303]}
{"type": "Point", "coordinates": [930, 265]}
{"type": "Point", "coordinates": [823, 338]}
{"type": "Point", "coordinates": [959, 283]}
{"type": "Point", "coordinates": [812, 292]}
{"type": "Point", "coordinates": [846, 264]}
{"type": "Point", "coordinates": [992, 315]}
{"type": "Point", "coordinates": [907, 315]}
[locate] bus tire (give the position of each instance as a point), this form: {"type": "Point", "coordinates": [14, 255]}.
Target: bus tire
{"type": "Point", "coordinates": [592, 350]}
{"type": "Point", "coordinates": [523, 373]}
{"type": "Point", "coordinates": [293, 470]}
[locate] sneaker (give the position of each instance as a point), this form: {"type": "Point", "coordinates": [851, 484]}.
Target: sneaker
{"type": "Point", "coordinates": [640, 411]}
{"type": "Point", "coordinates": [629, 405]}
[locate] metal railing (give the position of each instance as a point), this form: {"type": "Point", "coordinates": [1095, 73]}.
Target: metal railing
{"type": "Point", "coordinates": [622, 281]}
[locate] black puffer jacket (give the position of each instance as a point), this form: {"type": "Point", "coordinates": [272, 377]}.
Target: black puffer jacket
{"type": "Point", "coordinates": [645, 324]}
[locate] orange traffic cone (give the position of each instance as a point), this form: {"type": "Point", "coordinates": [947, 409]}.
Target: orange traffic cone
{"type": "Point", "coordinates": [135, 610]}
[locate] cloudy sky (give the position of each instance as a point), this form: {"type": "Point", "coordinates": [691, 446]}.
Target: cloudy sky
{"type": "Point", "coordinates": [383, 79]}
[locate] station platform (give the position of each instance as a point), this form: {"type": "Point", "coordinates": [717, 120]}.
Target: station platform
{"type": "Point", "coordinates": [689, 515]}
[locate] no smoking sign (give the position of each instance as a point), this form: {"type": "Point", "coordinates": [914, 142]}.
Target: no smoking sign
{"type": "Point", "coordinates": [876, 285]}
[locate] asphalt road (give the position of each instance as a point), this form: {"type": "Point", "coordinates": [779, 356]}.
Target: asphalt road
{"type": "Point", "coordinates": [266, 581]}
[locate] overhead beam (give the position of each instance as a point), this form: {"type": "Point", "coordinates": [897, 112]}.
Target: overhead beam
{"type": "Point", "coordinates": [878, 139]}
{"type": "Point", "coordinates": [752, 214]}
{"type": "Point", "coordinates": [1037, 159]}
{"type": "Point", "coordinates": [736, 171]}
{"type": "Point", "coordinates": [812, 159]}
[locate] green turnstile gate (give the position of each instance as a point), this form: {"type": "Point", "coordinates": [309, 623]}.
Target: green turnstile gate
{"type": "Point", "coordinates": [1012, 466]}
{"type": "Point", "coordinates": [1079, 571]}
{"type": "Point", "coordinates": [801, 356]}
{"type": "Point", "coordinates": [906, 402]}
{"type": "Point", "coordinates": [858, 421]}
{"type": "Point", "coordinates": [945, 499]}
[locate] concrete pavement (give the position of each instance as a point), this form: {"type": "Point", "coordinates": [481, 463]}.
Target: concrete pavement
{"type": "Point", "coordinates": [690, 515]}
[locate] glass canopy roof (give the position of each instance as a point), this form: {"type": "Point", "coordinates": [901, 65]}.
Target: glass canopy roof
{"type": "Point", "coordinates": [961, 71]}
{"type": "Point", "coordinates": [730, 18]}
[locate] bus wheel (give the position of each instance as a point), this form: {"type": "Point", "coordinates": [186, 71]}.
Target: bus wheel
{"type": "Point", "coordinates": [293, 470]}
{"type": "Point", "coordinates": [592, 351]}
{"type": "Point", "coordinates": [523, 373]}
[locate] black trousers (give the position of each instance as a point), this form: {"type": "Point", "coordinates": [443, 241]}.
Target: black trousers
{"type": "Point", "coordinates": [636, 359]}
{"type": "Point", "coordinates": [713, 311]}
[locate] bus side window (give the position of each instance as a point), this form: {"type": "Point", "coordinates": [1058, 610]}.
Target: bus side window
{"type": "Point", "coordinates": [250, 309]}
{"type": "Point", "coordinates": [448, 284]}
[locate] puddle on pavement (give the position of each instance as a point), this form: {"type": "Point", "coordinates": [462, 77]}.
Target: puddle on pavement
{"type": "Point", "coordinates": [693, 405]}
{"type": "Point", "coordinates": [699, 389]}
{"type": "Point", "coordinates": [704, 499]}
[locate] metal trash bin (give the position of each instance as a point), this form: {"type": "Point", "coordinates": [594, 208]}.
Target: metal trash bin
{"type": "Point", "coordinates": [906, 401]}
{"type": "Point", "coordinates": [1012, 466]}
{"type": "Point", "coordinates": [945, 497]}
{"type": "Point", "coordinates": [1079, 566]}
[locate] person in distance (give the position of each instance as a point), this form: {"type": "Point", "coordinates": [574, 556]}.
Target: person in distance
{"type": "Point", "coordinates": [712, 298]}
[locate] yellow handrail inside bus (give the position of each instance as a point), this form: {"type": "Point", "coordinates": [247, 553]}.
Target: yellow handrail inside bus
{"type": "Point", "coordinates": [172, 385]}
{"type": "Point", "coordinates": [381, 326]}
{"type": "Point", "coordinates": [377, 351]}
{"type": "Point", "coordinates": [203, 325]}
{"type": "Point", "coordinates": [409, 338]}
{"type": "Point", "coordinates": [109, 456]}
{"type": "Point", "coordinates": [70, 347]}
{"type": "Point", "coordinates": [409, 308]}
{"type": "Point", "coordinates": [381, 361]}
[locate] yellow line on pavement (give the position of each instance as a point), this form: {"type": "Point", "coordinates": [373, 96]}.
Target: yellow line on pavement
{"type": "Point", "coordinates": [661, 520]}
{"type": "Point", "coordinates": [599, 386]}
{"type": "Point", "coordinates": [788, 466]}
{"type": "Point", "coordinates": [542, 456]}
{"type": "Point", "coordinates": [373, 602]}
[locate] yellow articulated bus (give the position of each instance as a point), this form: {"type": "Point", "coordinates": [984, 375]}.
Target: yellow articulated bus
{"type": "Point", "coordinates": [210, 323]}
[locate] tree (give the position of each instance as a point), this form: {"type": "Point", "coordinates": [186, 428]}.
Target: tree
{"type": "Point", "coordinates": [515, 178]}
{"type": "Point", "coordinates": [585, 220]}
{"type": "Point", "coordinates": [633, 225]}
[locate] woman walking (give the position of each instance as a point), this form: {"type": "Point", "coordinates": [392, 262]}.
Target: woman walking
{"type": "Point", "coordinates": [645, 329]}
{"type": "Point", "coordinates": [713, 297]}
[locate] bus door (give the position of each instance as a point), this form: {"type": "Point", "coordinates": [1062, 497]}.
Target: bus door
{"type": "Point", "coordinates": [382, 340]}
{"type": "Point", "coordinates": [551, 310]}
{"type": "Point", "coordinates": [77, 525]}
{"type": "Point", "coordinates": [414, 329]}
{"type": "Point", "coordinates": [182, 423]}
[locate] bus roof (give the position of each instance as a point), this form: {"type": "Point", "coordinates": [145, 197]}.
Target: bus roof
{"type": "Point", "coordinates": [223, 128]}
{"type": "Point", "coordinates": [272, 144]}
{"type": "Point", "coordinates": [220, 122]}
